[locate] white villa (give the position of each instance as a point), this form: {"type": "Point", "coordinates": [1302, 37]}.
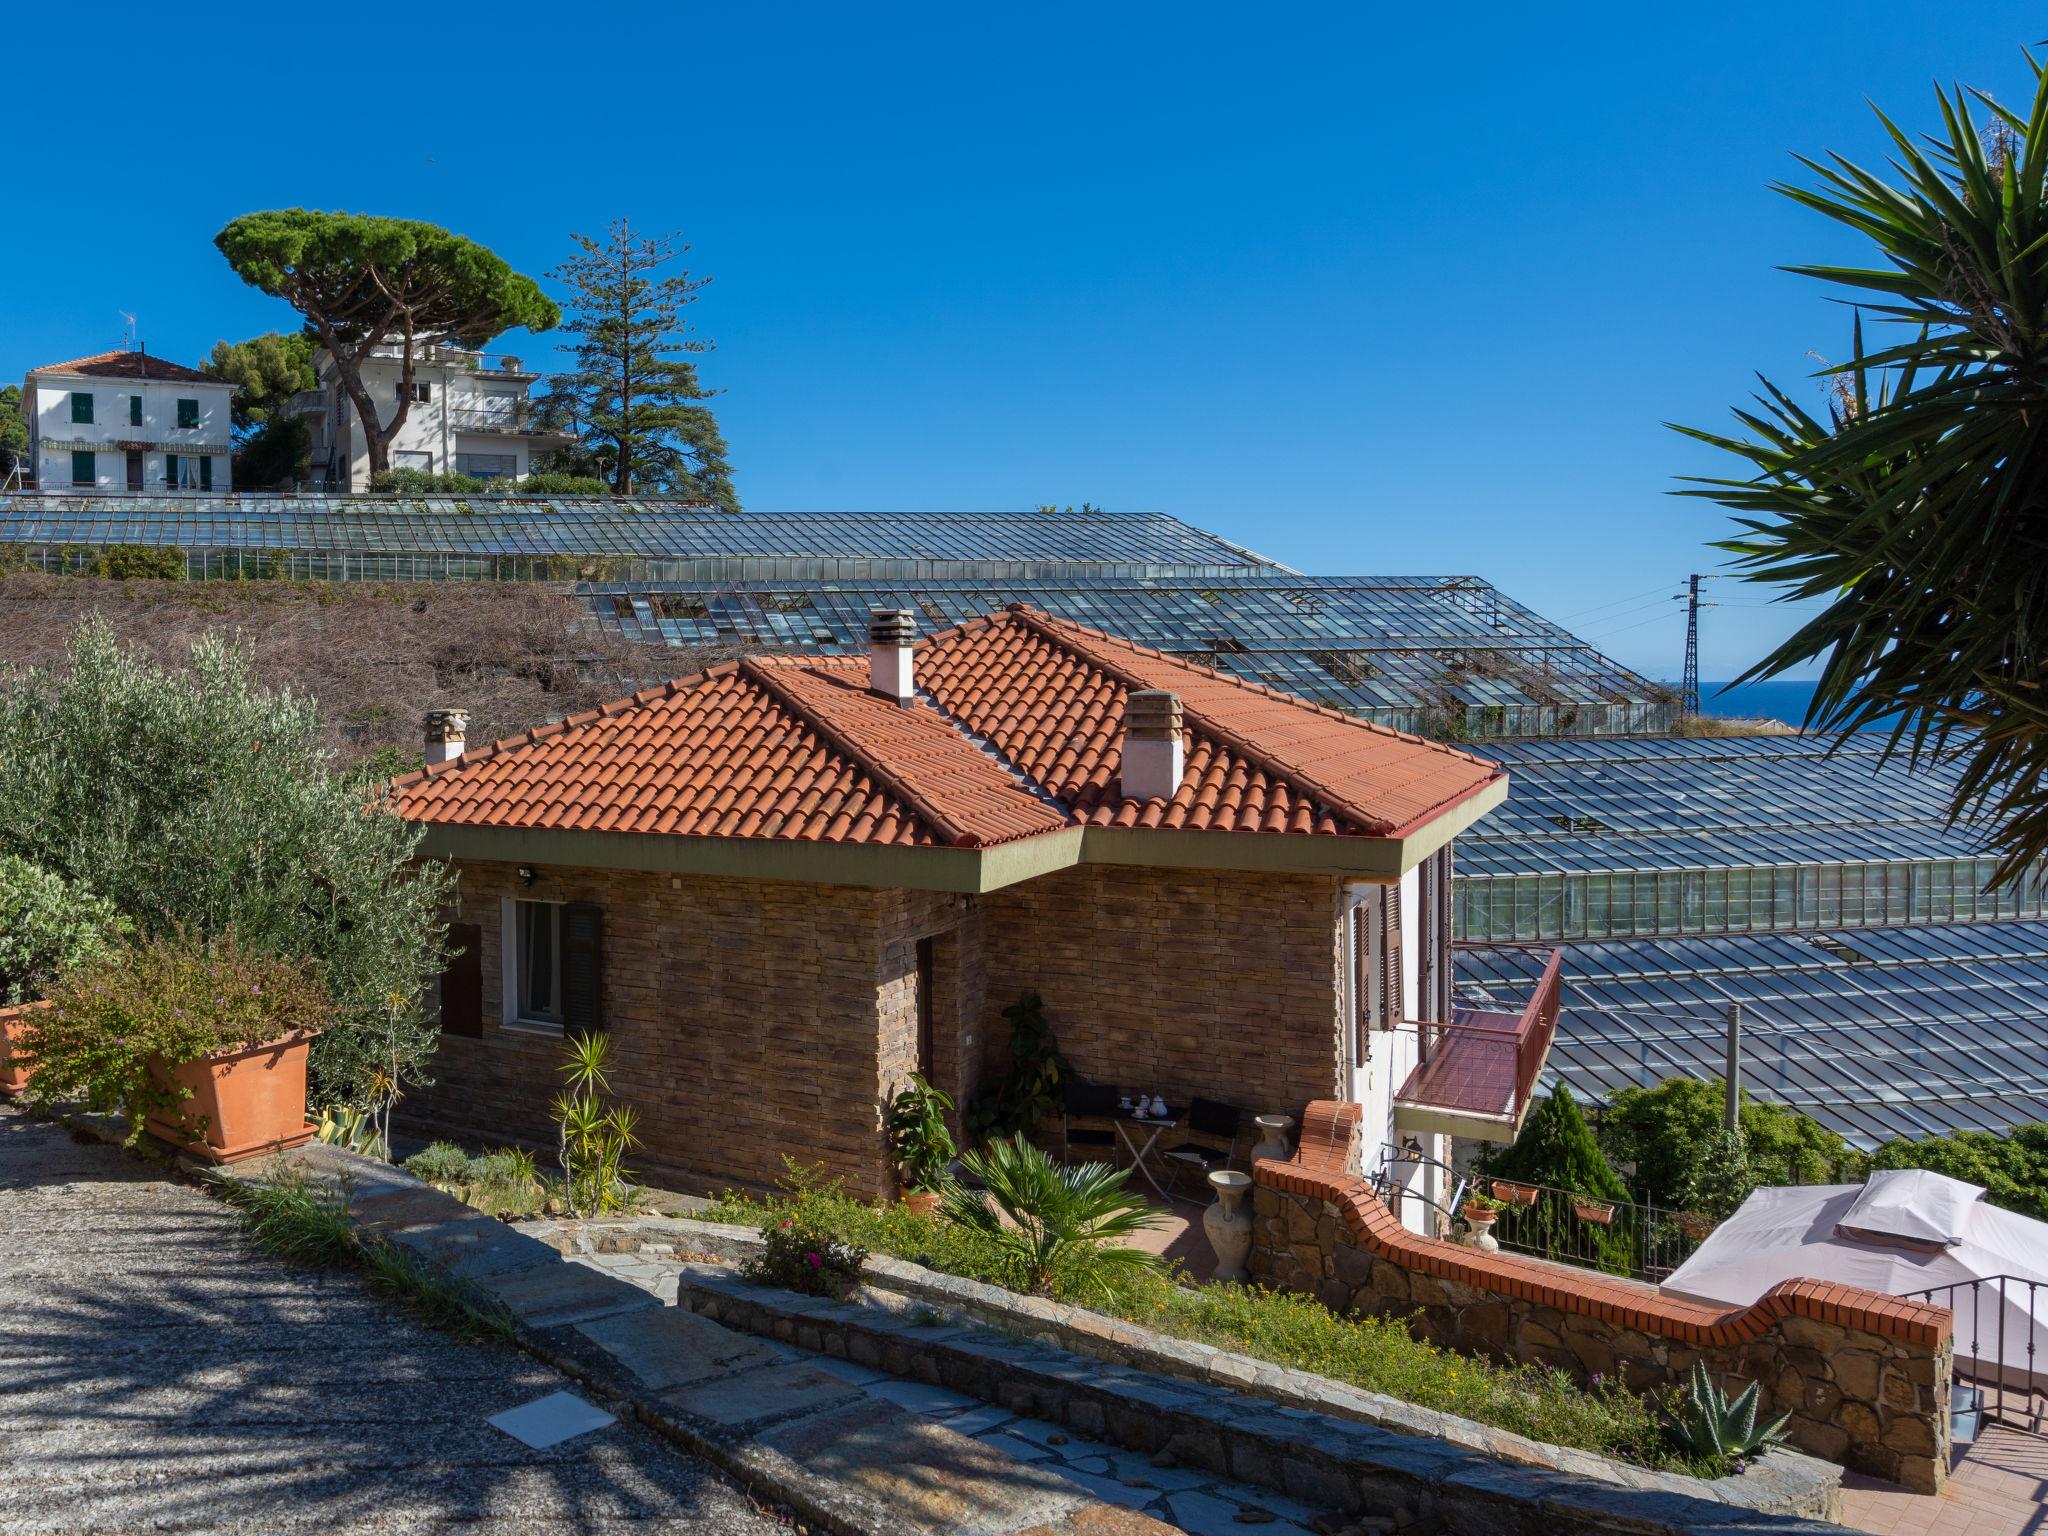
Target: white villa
{"type": "Point", "coordinates": [127, 423]}
{"type": "Point", "coordinates": [469, 415]}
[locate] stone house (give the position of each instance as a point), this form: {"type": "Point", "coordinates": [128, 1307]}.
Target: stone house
{"type": "Point", "coordinates": [785, 884]}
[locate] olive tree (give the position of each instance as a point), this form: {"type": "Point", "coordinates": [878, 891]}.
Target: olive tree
{"type": "Point", "coordinates": [197, 801]}
{"type": "Point", "coordinates": [362, 281]}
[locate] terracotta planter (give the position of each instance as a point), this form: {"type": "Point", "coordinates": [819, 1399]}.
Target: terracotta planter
{"type": "Point", "coordinates": [1513, 1193]}
{"type": "Point", "coordinates": [243, 1103]}
{"type": "Point", "coordinates": [1599, 1212]}
{"type": "Point", "coordinates": [923, 1201]}
{"type": "Point", "coordinates": [16, 1025]}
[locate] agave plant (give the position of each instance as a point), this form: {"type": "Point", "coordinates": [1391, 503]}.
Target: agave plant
{"type": "Point", "coordinates": [1916, 503]}
{"type": "Point", "coordinates": [352, 1128]}
{"type": "Point", "coordinates": [1062, 1229]}
{"type": "Point", "coordinates": [1706, 1426]}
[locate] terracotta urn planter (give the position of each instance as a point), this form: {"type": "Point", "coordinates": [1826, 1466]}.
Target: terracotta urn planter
{"type": "Point", "coordinates": [1228, 1226]}
{"type": "Point", "coordinates": [1513, 1193]}
{"type": "Point", "coordinates": [922, 1201]}
{"type": "Point", "coordinates": [1273, 1131]}
{"type": "Point", "coordinates": [1480, 1233]}
{"type": "Point", "coordinates": [243, 1103]}
{"type": "Point", "coordinates": [17, 1024]}
{"type": "Point", "coordinates": [1599, 1212]}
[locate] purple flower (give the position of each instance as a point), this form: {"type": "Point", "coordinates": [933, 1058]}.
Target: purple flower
{"type": "Point", "coordinates": [815, 1260]}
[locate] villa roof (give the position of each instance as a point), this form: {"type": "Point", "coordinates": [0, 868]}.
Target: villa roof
{"type": "Point", "coordinates": [1017, 731]}
{"type": "Point", "coordinates": [129, 365]}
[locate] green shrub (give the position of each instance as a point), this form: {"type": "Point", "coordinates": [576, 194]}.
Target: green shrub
{"type": "Point", "coordinates": [136, 562]}
{"type": "Point", "coordinates": [1662, 1132]}
{"type": "Point", "coordinates": [1062, 1229]}
{"type": "Point", "coordinates": [419, 482]}
{"type": "Point", "coordinates": [198, 801]}
{"type": "Point", "coordinates": [1030, 1090]}
{"type": "Point", "coordinates": [553, 483]}
{"type": "Point", "coordinates": [47, 925]}
{"type": "Point", "coordinates": [441, 1163]}
{"type": "Point", "coordinates": [918, 1135]}
{"type": "Point", "coordinates": [1556, 1148]}
{"type": "Point", "coordinates": [176, 998]}
{"type": "Point", "coordinates": [812, 1260]}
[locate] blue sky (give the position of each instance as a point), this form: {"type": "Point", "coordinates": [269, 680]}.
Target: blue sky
{"type": "Point", "coordinates": [1368, 292]}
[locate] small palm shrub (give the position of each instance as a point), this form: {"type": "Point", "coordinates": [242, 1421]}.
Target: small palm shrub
{"type": "Point", "coordinates": [595, 1135]}
{"type": "Point", "coordinates": [919, 1137]}
{"type": "Point", "coordinates": [48, 924]}
{"type": "Point", "coordinates": [799, 1256]}
{"type": "Point", "coordinates": [1707, 1428]}
{"type": "Point", "coordinates": [172, 1000]}
{"type": "Point", "coordinates": [1062, 1228]}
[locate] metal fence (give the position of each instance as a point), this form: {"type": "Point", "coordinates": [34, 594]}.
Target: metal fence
{"type": "Point", "coordinates": [2000, 1321]}
{"type": "Point", "coordinates": [1619, 1237]}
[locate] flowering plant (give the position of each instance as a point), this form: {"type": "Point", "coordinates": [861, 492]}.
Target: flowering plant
{"type": "Point", "coordinates": [801, 1256]}
{"type": "Point", "coordinates": [114, 1029]}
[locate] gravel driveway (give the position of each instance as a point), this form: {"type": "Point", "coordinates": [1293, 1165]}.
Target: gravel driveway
{"type": "Point", "coordinates": [159, 1374]}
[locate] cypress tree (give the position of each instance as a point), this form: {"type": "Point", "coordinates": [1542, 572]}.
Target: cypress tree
{"type": "Point", "coordinates": [1557, 1148]}
{"type": "Point", "coordinates": [633, 400]}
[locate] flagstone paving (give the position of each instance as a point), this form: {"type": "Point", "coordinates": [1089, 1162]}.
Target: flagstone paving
{"type": "Point", "coordinates": [158, 1373]}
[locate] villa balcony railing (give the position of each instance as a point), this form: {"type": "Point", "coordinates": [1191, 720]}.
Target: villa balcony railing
{"type": "Point", "coordinates": [1619, 1237]}
{"type": "Point", "coordinates": [1479, 1071]}
{"type": "Point", "coordinates": [488, 419]}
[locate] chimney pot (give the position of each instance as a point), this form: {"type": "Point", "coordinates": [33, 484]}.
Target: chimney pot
{"type": "Point", "coordinates": [892, 671]}
{"type": "Point", "coordinates": [447, 733]}
{"type": "Point", "coordinates": [1153, 754]}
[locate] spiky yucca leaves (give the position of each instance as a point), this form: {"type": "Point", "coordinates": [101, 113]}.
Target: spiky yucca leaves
{"type": "Point", "coordinates": [1919, 507]}
{"type": "Point", "coordinates": [1061, 1227]}
{"type": "Point", "coordinates": [1707, 1427]}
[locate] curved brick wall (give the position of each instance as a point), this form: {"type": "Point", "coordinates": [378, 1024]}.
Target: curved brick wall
{"type": "Point", "coordinates": [1865, 1375]}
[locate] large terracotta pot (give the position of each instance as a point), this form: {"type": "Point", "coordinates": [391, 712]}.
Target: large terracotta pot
{"type": "Point", "coordinates": [923, 1201]}
{"type": "Point", "coordinates": [16, 1025]}
{"type": "Point", "coordinates": [243, 1103]}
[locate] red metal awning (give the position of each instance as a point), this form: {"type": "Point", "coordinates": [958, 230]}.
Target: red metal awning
{"type": "Point", "coordinates": [1479, 1071]}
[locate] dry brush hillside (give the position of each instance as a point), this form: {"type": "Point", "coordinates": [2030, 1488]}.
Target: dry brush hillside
{"type": "Point", "coordinates": [376, 657]}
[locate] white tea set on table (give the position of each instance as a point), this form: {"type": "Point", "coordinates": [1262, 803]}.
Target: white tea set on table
{"type": "Point", "coordinates": [1153, 1108]}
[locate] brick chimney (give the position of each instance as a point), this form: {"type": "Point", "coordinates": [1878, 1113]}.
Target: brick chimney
{"type": "Point", "coordinates": [1153, 763]}
{"type": "Point", "coordinates": [892, 672]}
{"type": "Point", "coordinates": [446, 733]}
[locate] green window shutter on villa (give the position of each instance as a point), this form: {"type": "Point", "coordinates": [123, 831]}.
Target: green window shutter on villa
{"type": "Point", "coordinates": [135, 410]}
{"type": "Point", "coordinates": [85, 468]}
{"type": "Point", "coordinates": [206, 472]}
{"type": "Point", "coordinates": [171, 470]}
{"type": "Point", "coordinates": [188, 413]}
{"type": "Point", "coordinates": [81, 407]}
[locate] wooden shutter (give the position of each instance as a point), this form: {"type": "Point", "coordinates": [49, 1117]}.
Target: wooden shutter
{"type": "Point", "coordinates": [462, 984]}
{"type": "Point", "coordinates": [206, 471]}
{"type": "Point", "coordinates": [81, 407]}
{"type": "Point", "coordinates": [1365, 970]}
{"type": "Point", "coordinates": [582, 967]}
{"type": "Point", "coordinates": [135, 410]}
{"type": "Point", "coordinates": [171, 471]}
{"type": "Point", "coordinates": [1390, 958]}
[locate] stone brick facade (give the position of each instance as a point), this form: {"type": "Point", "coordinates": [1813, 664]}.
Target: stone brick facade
{"type": "Point", "coordinates": [1864, 1376]}
{"type": "Point", "coordinates": [753, 1018]}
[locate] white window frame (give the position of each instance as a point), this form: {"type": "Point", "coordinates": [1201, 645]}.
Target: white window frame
{"type": "Point", "coordinates": [511, 962]}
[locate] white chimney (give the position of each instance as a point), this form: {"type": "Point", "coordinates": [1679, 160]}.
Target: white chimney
{"type": "Point", "coordinates": [1153, 763]}
{"type": "Point", "coordinates": [446, 733]}
{"type": "Point", "coordinates": [891, 670]}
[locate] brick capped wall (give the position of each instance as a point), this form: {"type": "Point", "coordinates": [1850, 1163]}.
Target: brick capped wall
{"type": "Point", "coordinates": [1865, 1376]}
{"type": "Point", "coordinates": [1176, 981]}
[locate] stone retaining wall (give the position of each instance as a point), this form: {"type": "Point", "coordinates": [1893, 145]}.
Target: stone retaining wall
{"type": "Point", "coordinates": [1864, 1376]}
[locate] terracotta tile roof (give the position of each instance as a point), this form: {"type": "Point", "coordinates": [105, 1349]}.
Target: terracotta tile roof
{"type": "Point", "coordinates": [129, 365]}
{"type": "Point", "coordinates": [1017, 734]}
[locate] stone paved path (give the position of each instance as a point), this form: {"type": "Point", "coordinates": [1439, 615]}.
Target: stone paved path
{"type": "Point", "coordinates": [156, 1373]}
{"type": "Point", "coordinates": [1184, 1498]}
{"type": "Point", "coordinates": [1999, 1488]}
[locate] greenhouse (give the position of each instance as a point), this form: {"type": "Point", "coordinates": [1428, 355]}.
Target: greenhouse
{"type": "Point", "coordinates": [1884, 1032]}
{"type": "Point", "coordinates": [1616, 839]}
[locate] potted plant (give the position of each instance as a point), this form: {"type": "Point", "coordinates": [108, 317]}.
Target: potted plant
{"type": "Point", "coordinates": [17, 1037]}
{"type": "Point", "coordinates": [921, 1142]}
{"type": "Point", "coordinates": [203, 1044]}
{"type": "Point", "coordinates": [47, 925]}
{"type": "Point", "coordinates": [1599, 1212]}
{"type": "Point", "coordinates": [1480, 1213]}
{"type": "Point", "coordinates": [1508, 1192]}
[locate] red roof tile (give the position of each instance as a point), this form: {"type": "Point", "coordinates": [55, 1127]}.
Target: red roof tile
{"type": "Point", "coordinates": [1019, 734]}
{"type": "Point", "coordinates": [128, 365]}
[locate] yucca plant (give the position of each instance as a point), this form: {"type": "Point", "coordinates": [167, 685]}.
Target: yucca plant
{"type": "Point", "coordinates": [1705, 1426]}
{"type": "Point", "coordinates": [595, 1135]}
{"type": "Point", "coordinates": [1916, 502]}
{"type": "Point", "coordinates": [1062, 1229]}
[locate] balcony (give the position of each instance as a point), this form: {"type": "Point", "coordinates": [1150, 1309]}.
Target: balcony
{"type": "Point", "coordinates": [513, 421]}
{"type": "Point", "coordinates": [1478, 1072]}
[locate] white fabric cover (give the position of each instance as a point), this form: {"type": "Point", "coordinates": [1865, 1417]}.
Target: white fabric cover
{"type": "Point", "coordinates": [1913, 1205]}
{"type": "Point", "coordinates": [1789, 1234]}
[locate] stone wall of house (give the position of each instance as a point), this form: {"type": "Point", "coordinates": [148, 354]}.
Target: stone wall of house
{"type": "Point", "coordinates": [1864, 1376]}
{"type": "Point", "coordinates": [747, 1019]}
{"type": "Point", "coordinates": [1175, 981]}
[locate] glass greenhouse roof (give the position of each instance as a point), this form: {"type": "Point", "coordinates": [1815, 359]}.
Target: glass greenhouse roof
{"type": "Point", "coordinates": [626, 527]}
{"type": "Point", "coordinates": [1881, 1032]}
{"type": "Point", "coordinates": [1395, 649]}
{"type": "Point", "coordinates": [1682, 804]}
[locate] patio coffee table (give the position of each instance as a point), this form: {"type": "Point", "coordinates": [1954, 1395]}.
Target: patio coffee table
{"type": "Point", "coordinates": [1129, 1124]}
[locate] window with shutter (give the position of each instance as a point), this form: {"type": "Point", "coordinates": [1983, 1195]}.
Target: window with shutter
{"type": "Point", "coordinates": [462, 984]}
{"type": "Point", "coordinates": [582, 966]}
{"type": "Point", "coordinates": [188, 413]}
{"type": "Point", "coordinates": [135, 410]}
{"type": "Point", "coordinates": [1366, 994]}
{"type": "Point", "coordinates": [171, 470]}
{"type": "Point", "coordinates": [1391, 980]}
{"type": "Point", "coordinates": [81, 407]}
{"type": "Point", "coordinates": [85, 468]}
{"type": "Point", "coordinates": [206, 472]}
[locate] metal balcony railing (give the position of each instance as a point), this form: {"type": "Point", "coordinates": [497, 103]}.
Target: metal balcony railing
{"type": "Point", "coordinates": [488, 419]}
{"type": "Point", "coordinates": [1478, 1072]}
{"type": "Point", "coordinates": [2001, 1335]}
{"type": "Point", "coordinates": [1620, 1237]}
